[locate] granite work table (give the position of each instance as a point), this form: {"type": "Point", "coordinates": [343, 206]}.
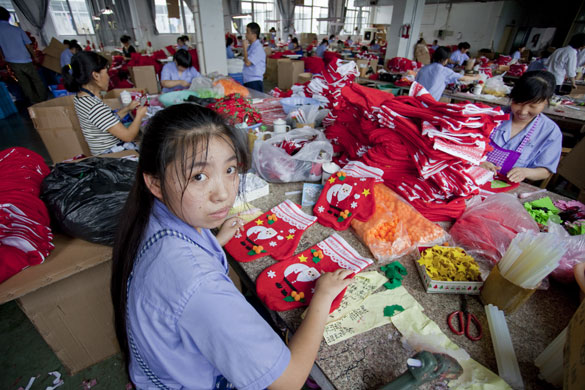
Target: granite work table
{"type": "Point", "coordinates": [372, 359]}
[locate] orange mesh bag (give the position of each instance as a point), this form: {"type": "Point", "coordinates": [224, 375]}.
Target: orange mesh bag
{"type": "Point", "coordinates": [396, 227]}
{"type": "Point", "coordinates": [230, 86]}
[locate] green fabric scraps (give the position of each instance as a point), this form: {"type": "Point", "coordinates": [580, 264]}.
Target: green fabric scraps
{"type": "Point", "coordinates": [499, 184]}
{"type": "Point", "coordinates": [389, 311]}
{"type": "Point", "coordinates": [394, 272]}
{"type": "Point", "coordinates": [542, 210]}
{"type": "Point", "coordinates": [576, 228]}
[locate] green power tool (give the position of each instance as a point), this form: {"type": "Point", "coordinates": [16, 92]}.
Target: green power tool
{"type": "Point", "coordinates": [425, 367]}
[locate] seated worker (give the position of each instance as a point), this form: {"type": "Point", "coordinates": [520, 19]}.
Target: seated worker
{"type": "Point", "coordinates": [459, 56]}
{"type": "Point", "coordinates": [296, 48]}
{"type": "Point", "coordinates": [349, 41]}
{"type": "Point", "coordinates": [374, 46]}
{"type": "Point", "coordinates": [517, 55]}
{"type": "Point", "coordinates": [290, 42]}
{"type": "Point", "coordinates": [539, 63]}
{"type": "Point", "coordinates": [183, 42]}
{"type": "Point", "coordinates": [88, 76]}
{"type": "Point", "coordinates": [322, 48]}
{"type": "Point", "coordinates": [331, 39]}
{"type": "Point", "coordinates": [178, 74]}
{"type": "Point", "coordinates": [127, 48]}
{"type": "Point", "coordinates": [436, 76]}
{"type": "Point", "coordinates": [435, 45]}
{"type": "Point", "coordinates": [527, 146]}
{"type": "Point", "coordinates": [229, 42]}
{"type": "Point", "coordinates": [72, 49]}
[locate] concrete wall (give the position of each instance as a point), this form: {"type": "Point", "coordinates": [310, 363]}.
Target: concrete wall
{"type": "Point", "coordinates": [471, 22]}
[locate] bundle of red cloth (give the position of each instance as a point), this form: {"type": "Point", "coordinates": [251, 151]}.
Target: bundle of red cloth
{"type": "Point", "coordinates": [314, 65]}
{"type": "Point", "coordinates": [141, 60]}
{"type": "Point", "coordinates": [517, 70]}
{"type": "Point", "coordinates": [429, 150]}
{"type": "Point", "coordinates": [503, 60]}
{"type": "Point", "coordinates": [236, 109]}
{"type": "Point", "coordinates": [401, 64]}
{"type": "Point", "coordinates": [25, 235]}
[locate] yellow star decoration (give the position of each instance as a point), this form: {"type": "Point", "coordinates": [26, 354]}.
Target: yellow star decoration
{"type": "Point", "coordinates": [259, 222]}
{"type": "Point", "coordinates": [366, 192]}
{"type": "Point", "coordinates": [290, 237]}
{"type": "Point", "coordinates": [331, 180]}
{"type": "Point", "coordinates": [302, 258]}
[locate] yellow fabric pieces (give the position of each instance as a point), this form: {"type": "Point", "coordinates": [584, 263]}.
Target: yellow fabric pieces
{"type": "Point", "coordinates": [449, 264]}
{"type": "Point", "coordinates": [422, 333]}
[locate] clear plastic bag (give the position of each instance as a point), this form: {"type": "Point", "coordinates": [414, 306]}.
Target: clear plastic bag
{"type": "Point", "coordinates": [575, 253]}
{"type": "Point", "coordinates": [275, 165]}
{"type": "Point", "coordinates": [204, 88]}
{"type": "Point", "coordinates": [495, 86]}
{"type": "Point", "coordinates": [487, 228]}
{"type": "Point", "coordinates": [395, 228]}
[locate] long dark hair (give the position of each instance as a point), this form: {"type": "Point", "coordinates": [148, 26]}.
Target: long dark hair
{"type": "Point", "coordinates": [533, 87]}
{"type": "Point", "coordinates": [171, 135]}
{"type": "Point", "coordinates": [441, 54]}
{"type": "Point", "coordinates": [79, 72]}
{"type": "Point", "coordinates": [183, 58]}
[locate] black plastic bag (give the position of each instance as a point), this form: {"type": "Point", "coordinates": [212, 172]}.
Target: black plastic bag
{"type": "Point", "coordinates": [85, 198]}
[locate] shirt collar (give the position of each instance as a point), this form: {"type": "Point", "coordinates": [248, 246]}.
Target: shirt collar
{"type": "Point", "coordinates": [169, 220]}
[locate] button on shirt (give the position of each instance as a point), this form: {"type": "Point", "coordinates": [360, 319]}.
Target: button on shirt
{"type": "Point", "coordinates": [188, 320]}
{"type": "Point", "coordinates": [542, 151]}
{"type": "Point", "coordinates": [458, 57]}
{"type": "Point", "coordinates": [257, 56]}
{"type": "Point", "coordinates": [13, 42]}
{"type": "Point", "coordinates": [171, 72]}
{"type": "Point", "coordinates": [435, 77]}
{"type": "Point", "coordinates": [563, 62]}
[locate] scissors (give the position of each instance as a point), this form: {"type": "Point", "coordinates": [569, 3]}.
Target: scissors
{"type": "Point", "coordinates": [465, 319]}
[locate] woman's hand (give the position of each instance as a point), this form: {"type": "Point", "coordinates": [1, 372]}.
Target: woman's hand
{"type": "Point", "coordinates": [516, 175]}
{"type": "Point", "coordinates": [490, 166]}
{"type": "Point", "coordinates": [141, 112]}
{"type": "Point", "coordinates": [330, 284]}
{"type": "Point", "coordinates": [228, 229]}
{"type": "Point", "coordinates": [185, 84]}
{"type": "Point", "coordinates": [133, 104]}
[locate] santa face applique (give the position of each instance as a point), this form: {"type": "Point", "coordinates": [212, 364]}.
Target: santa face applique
{"type": "Point", "coordinates": [347, 195]}
{"type": "Point", "coordinates": [291, 282]}
{"type": "Point", "coordinates": [276, 233]}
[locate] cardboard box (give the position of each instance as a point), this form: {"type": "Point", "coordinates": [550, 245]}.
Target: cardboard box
{"type": "Point", "coordinates": [271, 73]}
{"type": "Point", "coordinates": [67, 299]}
{"type": "Point", "coordinates": [571, 166]}
{"type": "Point", "coordinates": [288, 72]}
{"type": "Point", "coordinates": [267, 50]}
{"type": "Point", "coordinates": [54, 49]}
{"type": "Point", "coordinates": [304, 77]}
{"type": "Point", "coordinates": [52, 63]}
{"type": "Point", "coordinates": [58, 126]}
{"type": "Point", "coordinates": [307, 38]}
{"type": "Point", "coordinates": [574, 353]}
{"type": "Point", "coordinates": [364, 64]}
{"type": "Point", "coordinates": [144, 77]}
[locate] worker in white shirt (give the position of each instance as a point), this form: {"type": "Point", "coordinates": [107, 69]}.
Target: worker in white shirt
{"type": "Point", "coordinates": [563, 62]}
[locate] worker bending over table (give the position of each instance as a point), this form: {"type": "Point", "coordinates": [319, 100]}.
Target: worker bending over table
{"type": "Point", "coordinates": [529, 144]}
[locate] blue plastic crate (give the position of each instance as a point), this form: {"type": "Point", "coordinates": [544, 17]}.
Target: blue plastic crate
{"type": "Point", "coordinates": [59, 92]}
{"type": "Point", "coordinates": [7, 106]}
{"type": "Point", "coordinates": [239, 77]}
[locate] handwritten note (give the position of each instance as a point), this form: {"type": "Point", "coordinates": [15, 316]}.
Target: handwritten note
{"type": "Point", "coordinates": [368, 314]}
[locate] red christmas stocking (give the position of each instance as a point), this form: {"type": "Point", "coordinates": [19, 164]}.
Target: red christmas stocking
{"type": "Point", "coordinates": [348, 194]}
{"type": "Point", "coordinates": [276, 232]}
{"type": "Point", "coordinates": [291, 283]}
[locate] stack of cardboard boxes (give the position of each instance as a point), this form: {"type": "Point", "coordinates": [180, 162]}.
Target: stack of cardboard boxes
{"type": "Point", "coordinates": [52, 55]}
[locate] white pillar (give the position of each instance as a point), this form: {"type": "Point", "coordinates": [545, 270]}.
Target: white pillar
{"type": "Point", "coordinates": [210, 38]}
{"type": "Point", "coordinates": [405, 12]}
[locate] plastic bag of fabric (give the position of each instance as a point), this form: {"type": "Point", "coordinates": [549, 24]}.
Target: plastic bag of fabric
{"type": "Point", "coordinates": [85, 198]}
{"type": "Point", "coordinates": [293, 156]}
{"type": "Point", "coordinates": [487, 228]}
{"type": "Point", "coordinates": [396, 228]}
{"type": "Point", "coordinates": [575, 253]}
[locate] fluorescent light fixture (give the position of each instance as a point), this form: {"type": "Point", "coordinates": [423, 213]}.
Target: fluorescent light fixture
{"type": "Point", "coordinates": [241, 16]}
{"type": "Point", "coordinates": [107, 11]}
{"type": "Point", "coordinates": [272, 21]}
{"type": "Point", "coordinates": [95, 17]}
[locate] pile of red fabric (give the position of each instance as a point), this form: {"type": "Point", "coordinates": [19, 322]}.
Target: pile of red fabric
{"type": "Point", "coordinates": [314, 65]}
{"type": "Point", "coordinates": [281, 54]}
{"type": "Point", "coordinates": [429, 150]}
{"type": "Point", "coordinates": [503, 60]}
{"type": "Point", "coordinates": [401, 64]}
{"type": "Point", "coordinates": [329, 56]}
{"type": "Point", "coordinates": [326, 87]}
{"type": "Point", "coordinates": [517, 70]}
{"type": "Point", "coordinates": [25, 235]}
{"type": "Point", "coordinates": [142, 60]}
